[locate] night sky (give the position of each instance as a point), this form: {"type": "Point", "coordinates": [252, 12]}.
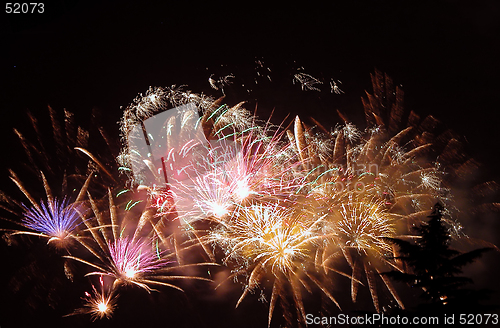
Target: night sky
{"type": "Point", "coordinates": [79, 55]}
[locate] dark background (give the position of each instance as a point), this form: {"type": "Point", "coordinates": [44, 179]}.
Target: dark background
{"type": "Point", "coordinates": [81, 55]}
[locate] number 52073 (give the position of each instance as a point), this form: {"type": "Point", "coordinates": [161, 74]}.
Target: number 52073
{"type": "Point", "coordinates": [24, 8]}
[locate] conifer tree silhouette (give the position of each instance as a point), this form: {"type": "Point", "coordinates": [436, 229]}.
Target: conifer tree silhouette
{"type": "Point", "coordinates": [435, 268]}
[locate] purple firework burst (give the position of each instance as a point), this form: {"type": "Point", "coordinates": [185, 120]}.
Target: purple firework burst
{"type": "Point", "coordinates": [55, 219]}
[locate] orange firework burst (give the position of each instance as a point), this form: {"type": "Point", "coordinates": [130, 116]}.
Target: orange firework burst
{"type": "Point", "coordinates": [271, 240]}
{"type": "Point", "coordinates": [100, 304]}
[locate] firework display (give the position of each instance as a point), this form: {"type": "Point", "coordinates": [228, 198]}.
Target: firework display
{"type": "Point", "coordinates": [286, 210]}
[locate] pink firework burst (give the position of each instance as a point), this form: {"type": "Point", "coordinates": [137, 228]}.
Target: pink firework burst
{"type": "Point", "coordinates": [134, 258]}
